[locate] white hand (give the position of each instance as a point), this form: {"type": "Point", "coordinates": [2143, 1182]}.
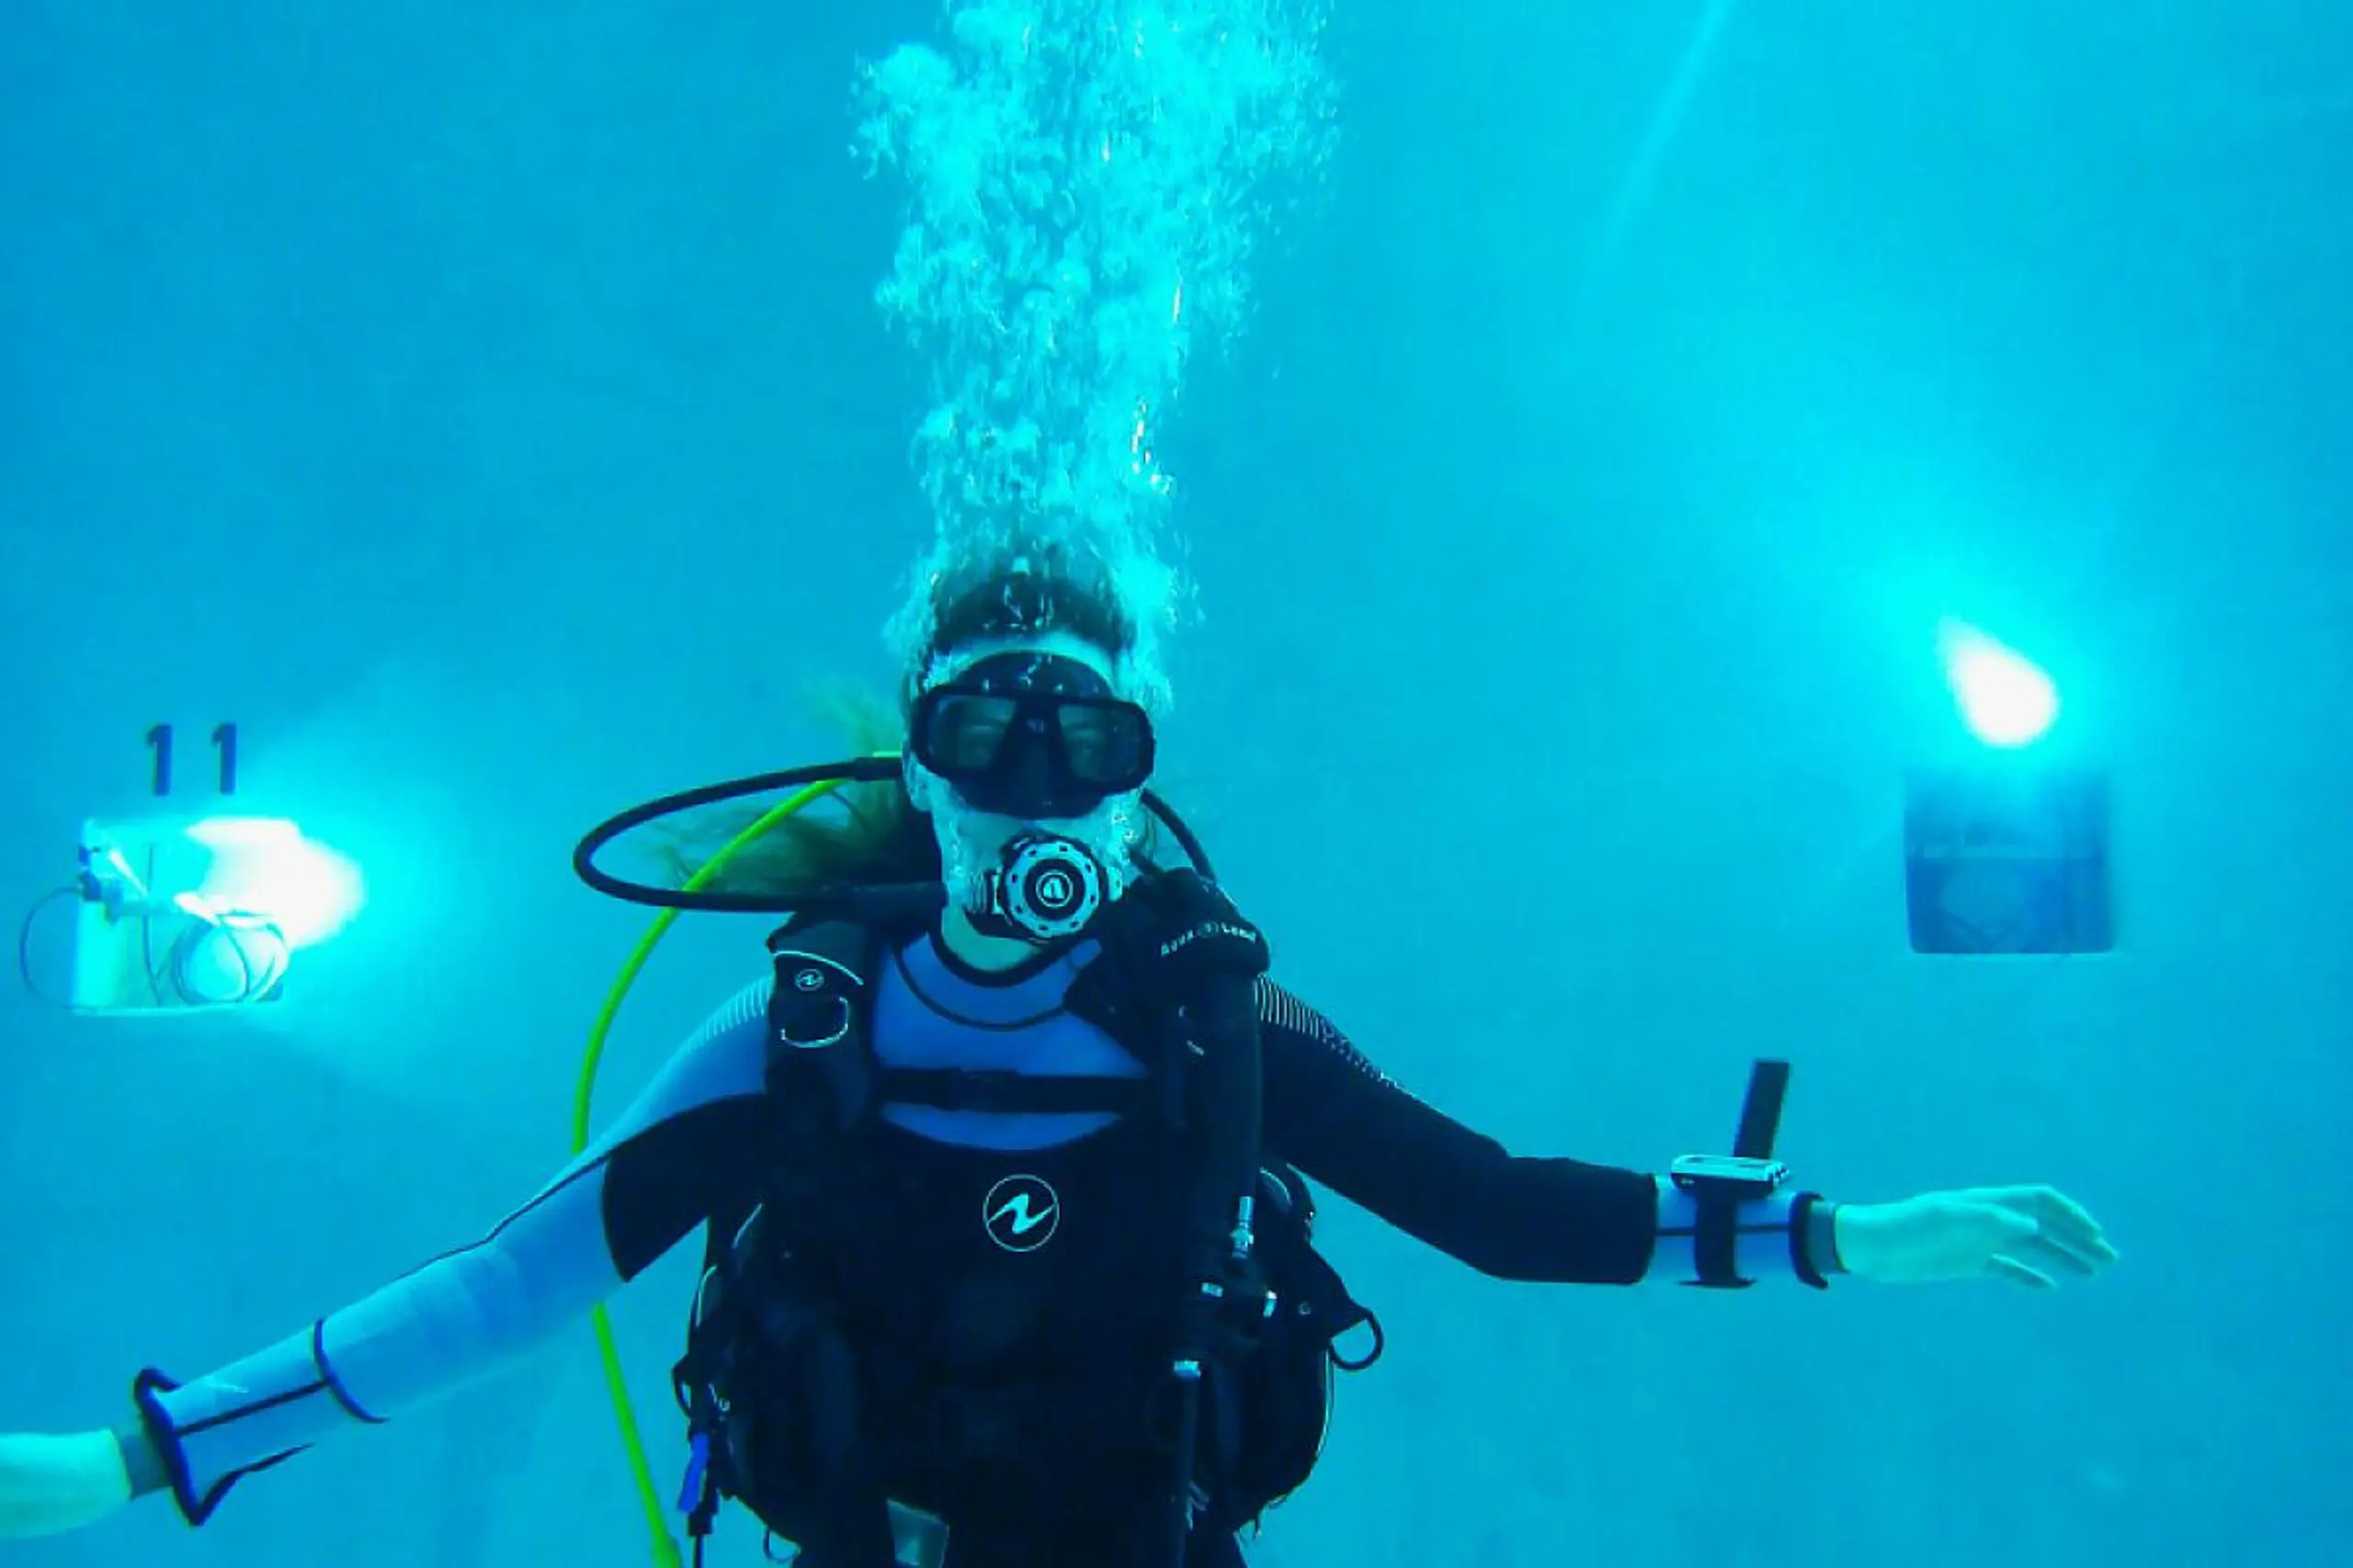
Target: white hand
{"type": "Point", "coordinates": [49, 1484]}
{"type": "Point", "coordinates": [2019, 1233]}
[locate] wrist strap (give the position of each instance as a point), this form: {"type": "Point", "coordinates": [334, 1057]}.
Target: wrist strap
{"type": "Point", "coordinates": [1814, 1240]}
{"type": "Point", "coordinates": [1715, 1237]}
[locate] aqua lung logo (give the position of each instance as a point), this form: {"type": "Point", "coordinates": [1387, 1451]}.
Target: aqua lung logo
{"type": "Point", "coordinates": [1021, 1213]}
{"type": "Point", "coordinates": [1176, 944]}
{"type": "Point", "coordinates": [1055, 890]}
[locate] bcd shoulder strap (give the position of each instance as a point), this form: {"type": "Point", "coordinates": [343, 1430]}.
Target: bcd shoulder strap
{"type": "Point", "coordinates": [820, 1070]}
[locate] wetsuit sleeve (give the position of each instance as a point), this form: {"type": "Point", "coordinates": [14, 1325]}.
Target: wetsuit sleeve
{"type": "Point", "coordinates": [1345, 1123]}
{"type": "Point", "coordinates": [689, 1146]}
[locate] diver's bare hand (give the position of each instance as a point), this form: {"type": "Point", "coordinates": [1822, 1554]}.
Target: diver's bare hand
{"type": "Point", "coordinates": [53, 1484]}
{"type": "Point", "coordinates": [2025, 1235]}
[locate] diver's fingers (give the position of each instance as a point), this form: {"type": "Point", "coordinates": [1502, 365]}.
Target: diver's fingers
{"type": "Point", "coordinates": [2060, 1219]}
{"type": "Point", "coordinates": [2046, 1250]}
{"type": "Point", "coordinates": [2019, 1273]}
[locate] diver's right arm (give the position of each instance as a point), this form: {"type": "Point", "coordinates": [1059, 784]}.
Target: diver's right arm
{"type": "Point", "coordinates": [690, 1145]}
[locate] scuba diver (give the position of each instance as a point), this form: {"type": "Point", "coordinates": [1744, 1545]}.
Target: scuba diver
{"type": "Point", "coordinates": [1004, 1189]}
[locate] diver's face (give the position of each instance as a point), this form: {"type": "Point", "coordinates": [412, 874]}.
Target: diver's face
{"type": "Point", "coordinates": [1031, 732]}
{"type": "Point", "coordinates": [1014, 735]}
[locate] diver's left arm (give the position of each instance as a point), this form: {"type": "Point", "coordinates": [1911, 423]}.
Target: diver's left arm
{"type": "Point", "coordinates": [1345, 1123]}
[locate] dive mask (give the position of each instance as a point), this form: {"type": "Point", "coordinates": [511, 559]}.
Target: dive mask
{"type": "Point", "coordinates": [1035, 736]}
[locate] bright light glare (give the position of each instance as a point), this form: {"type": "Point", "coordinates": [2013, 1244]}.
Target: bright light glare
{"type": "Point", "coordinates": [2005, 699]}
{"type": "Point", "coordinates": [262, 866]}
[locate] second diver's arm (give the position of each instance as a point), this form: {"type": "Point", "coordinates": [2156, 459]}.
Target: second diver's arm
{"type": "Point", "coordinates": [687, 1147]}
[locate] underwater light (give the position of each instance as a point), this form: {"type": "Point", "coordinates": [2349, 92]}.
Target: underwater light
{"type": "Point", "coordinates": [2005, 699]}
{"type": "Point", "coordinates": [2005, 854]}
{"type": "Point", "coordinates": [181, 914]}
{"type": "Point", "coordinates": [263, 863]}
{"type": "Point", "coordinates": [178, 915]}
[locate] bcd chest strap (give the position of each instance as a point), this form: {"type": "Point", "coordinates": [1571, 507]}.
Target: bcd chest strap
{"type": "Point", "coordinates": [827, 1085]}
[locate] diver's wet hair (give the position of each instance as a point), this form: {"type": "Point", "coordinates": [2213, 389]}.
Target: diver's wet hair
{"type": "Point", "coordinates": [1024, 593]}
